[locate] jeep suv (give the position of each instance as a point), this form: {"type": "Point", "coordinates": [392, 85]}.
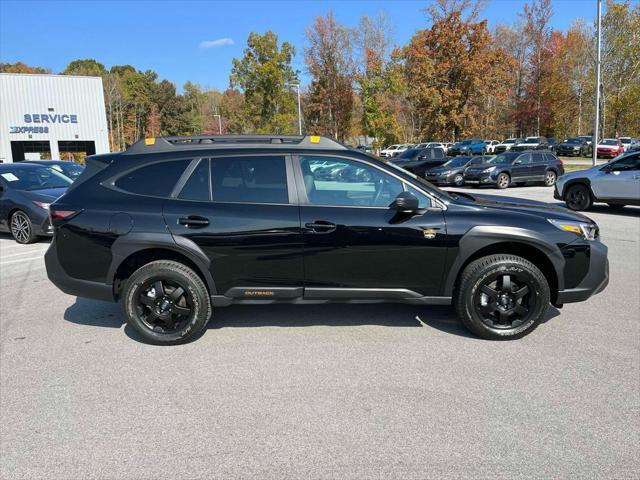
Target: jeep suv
{"type": "Point", "coordinates": [175, 227]}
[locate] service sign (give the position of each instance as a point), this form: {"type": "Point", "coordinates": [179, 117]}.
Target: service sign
{"type": "Point", "coordinates": [38, 122]}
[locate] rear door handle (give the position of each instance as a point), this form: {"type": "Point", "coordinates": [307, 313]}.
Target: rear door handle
{"type": "Point", "coordinates": [193, 221]}
{"type": "Point", "coordinates": [321, 226]}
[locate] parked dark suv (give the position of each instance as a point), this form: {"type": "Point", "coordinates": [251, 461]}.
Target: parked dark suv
{"type": "Point", "coordinates": [174, 227]}
{"type": "Point", "coordinates": [516, 168]}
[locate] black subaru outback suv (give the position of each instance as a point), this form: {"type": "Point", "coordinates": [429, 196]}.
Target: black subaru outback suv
{"type": "Point", "coordinates": [174, 227]}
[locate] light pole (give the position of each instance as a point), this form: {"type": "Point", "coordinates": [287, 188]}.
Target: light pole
{"type": "Point", "coordinates": [219, 123]}
{"type": "Point", "coordinates": [297, 87]}
{"type": "Point", "coordinates": [596, 122]}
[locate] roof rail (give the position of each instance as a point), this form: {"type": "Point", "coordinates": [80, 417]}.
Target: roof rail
{"type": "Point", "coordinates": [168, 144]}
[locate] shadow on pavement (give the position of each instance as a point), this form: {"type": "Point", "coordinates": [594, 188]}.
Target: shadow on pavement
{"type": "Point", "coordinates": [443, 318]}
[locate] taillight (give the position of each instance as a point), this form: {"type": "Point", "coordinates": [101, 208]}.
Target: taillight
{"type": "Point", "coordinates": [60, 214]}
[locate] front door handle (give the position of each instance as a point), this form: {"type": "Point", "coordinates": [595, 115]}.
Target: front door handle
{"type": "Point", "coordinates": [193, 221]}
{"type": "Point", "coordinates": [321, 226]}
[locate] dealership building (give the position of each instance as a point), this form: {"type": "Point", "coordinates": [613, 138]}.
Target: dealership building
{"type": "Point", "coordinates": [51, 117]}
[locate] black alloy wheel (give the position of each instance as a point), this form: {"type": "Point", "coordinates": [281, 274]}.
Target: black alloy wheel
{"type": "Point", "coordinates": [21, 228]}
{"type": "Point", "coordinates": [503, 300]}
{"type": "Point", "coordinates": [166, 302]}
{"type": "Point", "coordinates": [503, 181]}
{"type": "Point", "coordinates": [502, 297]}
{"type": "Point", "coordinates": [164, 306]}
{"type": "Point", "coordinates": [550, 178]}
{"type": "Point", "coordinates": [578, 197]}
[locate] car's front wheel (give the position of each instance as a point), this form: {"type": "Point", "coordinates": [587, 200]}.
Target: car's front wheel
{"type": "Point", "coordinates": [458, 180]}
{"type": "Point", "coordinates": [502, 297]}
{"type": "Point", "coordinates": [22, 228]}
{"type": "Point", "coordinates": [167, 303]}
{"type": "Point", "coordinates": [503, 181]}
{"type": "Point", "coordinates": [578, 197]}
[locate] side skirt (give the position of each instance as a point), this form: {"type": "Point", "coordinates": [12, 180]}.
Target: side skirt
{"type": "Point", "coordinates": [299, 295]}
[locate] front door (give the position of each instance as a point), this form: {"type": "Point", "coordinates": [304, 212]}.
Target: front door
{"type": "Point", "coordinates": [353, 240]}
{"type": "Point", "coordinates": [521, 169]}
{"type": "Point", "coordinates": [239, 212]}
{"type": "Point", "coordinates": [619, 180]}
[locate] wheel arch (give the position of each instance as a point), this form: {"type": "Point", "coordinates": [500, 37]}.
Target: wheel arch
{"type": "Point", "coordinates": [482, 241]}
{"type": "Point", "coordinates": [577, 181]}
{"type": "Point", "coordinates": [130, 252]}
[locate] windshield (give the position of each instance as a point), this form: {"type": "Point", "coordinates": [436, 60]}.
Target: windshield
{"type": "Point", "coordinates": [457, 162]}
{"type": "Point", "coordinates": [70, 169]}
{"type": "Point", "coordinates": [573, 140]}
{"type": "Point", "coordinates": [504, 158]}
{"type": "Point", "coordinates": [625, 140]}
{"type": "Point", "coordinates": [38, 178]}
{"type": "Point", "coordinates": [609, 141]}
{"type": "Point", "coordinates": [509, 141]}
{"type": "Point", "coordinates": [532, 140]}
{"type": "Point", "coordinates": [467, 142]}
{"type": "Point", "coordinates": [408, 154]}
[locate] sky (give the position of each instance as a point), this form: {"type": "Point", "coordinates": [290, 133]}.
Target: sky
{"type": "Point", "coordinates": [197, 40]}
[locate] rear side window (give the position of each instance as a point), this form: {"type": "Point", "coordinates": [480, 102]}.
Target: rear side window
{"type": "Point", "coordinates": [197, 187]}
{"type": "Point", "coordinates": [156, 179]}
{"type": "Point", "coordinates": [249, 179]}
{"type": "Point", "coordinates": [538, 158]}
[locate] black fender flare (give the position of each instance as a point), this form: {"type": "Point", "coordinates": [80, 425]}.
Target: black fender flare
{"type": "Point", "coordinates": [480, 237]}
{"type": "Point", "coordinates": [582, 181]}
{"type": "Point", "coordinates": [134, 242]}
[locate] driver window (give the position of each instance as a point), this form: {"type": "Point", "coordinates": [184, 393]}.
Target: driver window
{"type": "Point", "coordinates": [332, 181]}
{"type": "Point", "coordinates": [524, 159]}
{"type": "Point", "coordinates": [632, 162]}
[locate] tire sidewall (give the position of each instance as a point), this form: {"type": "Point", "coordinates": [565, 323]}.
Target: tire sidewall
{"type": "Point", "coordinates": [31, 235]}
{"type": "Point", "coordinates": [587, 196]}
{"type": "Point", "coordinates": [132, 290]}
{"type": "Point", "coordinates": [507, 183]}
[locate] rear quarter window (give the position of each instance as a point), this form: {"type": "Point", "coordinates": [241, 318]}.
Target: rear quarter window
{"type": "Point", "coordinates": [156, 179]}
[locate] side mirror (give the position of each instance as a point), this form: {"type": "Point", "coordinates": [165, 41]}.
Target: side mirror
{"type": "Point", "coordinates": [517, 162]}
{"type": "Point", "coordinates": [405, 202]}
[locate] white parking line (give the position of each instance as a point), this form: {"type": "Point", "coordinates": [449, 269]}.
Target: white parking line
{"type": "Point", "coordinates": [28, 252]}
{"type": "Point", "coordinates": [20, 260]}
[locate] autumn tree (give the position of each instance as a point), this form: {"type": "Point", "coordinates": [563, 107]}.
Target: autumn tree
{"type": "Point", "coordinates": [20, 67]}
{"type": "Point", "coordinates": [330, 63]}
{"type": "Point", "coordinates": [263, 74]}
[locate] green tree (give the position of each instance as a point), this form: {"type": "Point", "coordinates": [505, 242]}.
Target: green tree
{"type": "Point", "coordinates": [263, 74]}
{"type": "Point", "coordinates": [85, 67]}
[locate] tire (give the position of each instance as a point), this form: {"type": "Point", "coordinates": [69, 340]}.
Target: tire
{"type": "Point", "coordinates": [458, 180]}
{"type": "Point", "coordinates": [578, 197]}
{"type": "Point", "coordinates": [502, 297]}
{"type": "Point", "coordinates": [167, 303]}
{"type": "Point", "coordinates": [503, 181]}
{"type": "Point", "coordinates": [21, 228]}
{"type": "Point", "coordinates": [550, 178]}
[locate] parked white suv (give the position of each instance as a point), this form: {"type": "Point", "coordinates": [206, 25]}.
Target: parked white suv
{"type": "Point", "coordinates": [389, 151]}
{"type": "Point", "coordinates": [491, 145]}
{"type": "Point", "coordinates": [616, 183]}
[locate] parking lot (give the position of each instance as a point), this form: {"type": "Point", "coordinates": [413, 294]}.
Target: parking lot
{"type": "Point", "coordinates": [338, 391]}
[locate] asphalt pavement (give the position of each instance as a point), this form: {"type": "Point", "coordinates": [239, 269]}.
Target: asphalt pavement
{"type": "Point", "coordinates": [337, 391]}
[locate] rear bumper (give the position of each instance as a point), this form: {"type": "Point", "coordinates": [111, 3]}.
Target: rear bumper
{"type": "Point", "coordinates": [594, 282]}
{"type": "Point", "coordinates": [74, 286]}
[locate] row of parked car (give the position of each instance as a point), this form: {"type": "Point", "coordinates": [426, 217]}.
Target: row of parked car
{"type": "Point", "coordinates": [579, 146]}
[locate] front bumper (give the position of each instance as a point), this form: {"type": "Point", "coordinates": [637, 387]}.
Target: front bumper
{"type": "Point", "coordinates": [596, 279]}
{"type": "Point", "coordinates": [568, 152]}
{"type": "Point", "coordinates": [74, 286]}
{"type": "Point", "coordinates": [481, 179]}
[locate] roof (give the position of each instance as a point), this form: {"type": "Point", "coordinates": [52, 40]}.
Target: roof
{"type": "Point", "coordinates": [212, 142]}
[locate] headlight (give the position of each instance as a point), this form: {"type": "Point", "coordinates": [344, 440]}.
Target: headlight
{"type": "Point", "coordinates": [42, 205]}
{"type": "Point", "coordinates": [446, 172]}
{"type": "Point", "coordinates": [490, 169]}
{"type": "Point", "coordinates": [586, 231]}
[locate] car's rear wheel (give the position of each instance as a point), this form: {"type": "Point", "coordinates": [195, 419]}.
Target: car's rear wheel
{"type": "Point", "coordinates": [503, 181]}
{"type": "Point", "coordinates": [458, 180]}
{"type": "Point", "coordinates": [502, 297]}
{"type": "Point", "coordinates": [22, 228]}
{"type": "Point", "coordinates": [167, 303]}
{"type": "Point", "coordinates": [550, 178]}
{"type": "Point", "coordinates": [578, 197]}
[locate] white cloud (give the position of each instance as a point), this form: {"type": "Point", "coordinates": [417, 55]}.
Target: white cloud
{"type": "Point", "coordinates": [216, 43]}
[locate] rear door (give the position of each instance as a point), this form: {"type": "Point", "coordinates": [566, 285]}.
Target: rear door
{"type": "Point", "coordinates": [354, 241]}
{"type": "Point", "coordinates": [242, 212]}
{"type": "Point", "coordinates": [539, 166]}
